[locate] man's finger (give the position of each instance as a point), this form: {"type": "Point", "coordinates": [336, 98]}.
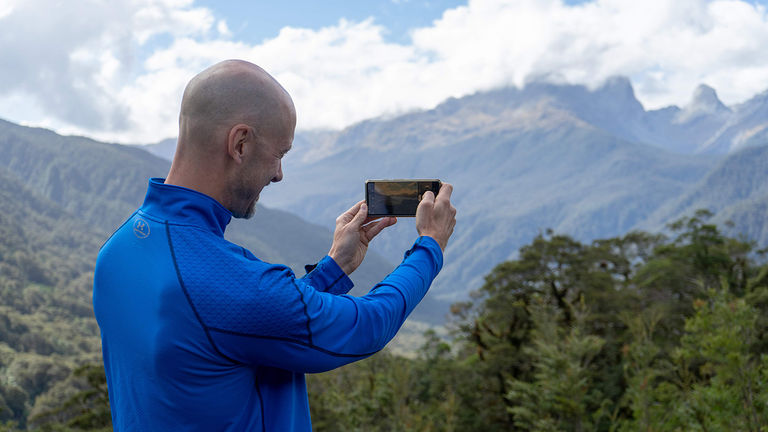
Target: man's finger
{"type": "Point", "coordinates": [374, 229]}
{"type": "Point", "coordinates": [348, 215]}
{"type": "Point", "coordinates": [427, 196]}
{"type": "Point", "coordinates": [446, 189]}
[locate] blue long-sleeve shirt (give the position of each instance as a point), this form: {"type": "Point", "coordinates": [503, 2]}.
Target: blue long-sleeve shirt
{"type": "Point", "coordinates": [200, 335]}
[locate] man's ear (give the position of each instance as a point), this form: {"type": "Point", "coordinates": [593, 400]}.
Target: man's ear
{"type": "Point", "coordinates": [236, 140]}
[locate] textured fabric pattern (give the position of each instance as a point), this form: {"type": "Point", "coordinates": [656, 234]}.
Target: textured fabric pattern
{"type": "Point", "coordinates": [234, 293]}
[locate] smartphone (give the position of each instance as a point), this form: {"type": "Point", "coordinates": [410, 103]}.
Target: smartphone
{"type": "Point", "coordinates": [397, 197]}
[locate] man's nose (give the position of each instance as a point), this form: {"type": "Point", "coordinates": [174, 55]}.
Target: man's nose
{"type": "Point", "coordinates": [279, 175]}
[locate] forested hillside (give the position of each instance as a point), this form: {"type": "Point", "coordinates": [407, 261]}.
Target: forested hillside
{"type": "Point", "coordinates": [735, 190]}
{"type": "Point", "coordinates": [46, 319]}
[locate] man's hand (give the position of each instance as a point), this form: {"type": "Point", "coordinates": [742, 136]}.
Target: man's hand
{"type": "Point", "coordinates": [354, 230]}
{"type": "Point", "coordinates": [436, 217]}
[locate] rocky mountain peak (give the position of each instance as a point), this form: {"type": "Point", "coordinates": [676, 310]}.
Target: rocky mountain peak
{"type": "Point", "coordinates": [705, 99]}
{"type": "Point", "coordinates": [704, 102]}
{"type": "Point", "coordinates": [617, 96]}
{"type": "Point", "coordinates": [619, 86]}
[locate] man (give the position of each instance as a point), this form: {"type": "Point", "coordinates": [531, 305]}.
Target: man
{"type": "Point", "coordinates": [199, 334]}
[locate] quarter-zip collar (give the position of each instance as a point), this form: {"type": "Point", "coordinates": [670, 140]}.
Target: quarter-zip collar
{"type": "Point", "coordinates": [181, 205]}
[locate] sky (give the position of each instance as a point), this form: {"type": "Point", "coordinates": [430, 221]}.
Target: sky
{"type": "Point", "coordinates": [115, 70]}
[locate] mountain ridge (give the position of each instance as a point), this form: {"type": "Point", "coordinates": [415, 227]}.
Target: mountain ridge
{"type": "Point", "coordinates": [547, 156]}
{"type": "Point", "coordinates": [735, 190]}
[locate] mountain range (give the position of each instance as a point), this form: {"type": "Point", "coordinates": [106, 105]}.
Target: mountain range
{"type": "Point", "coordinates": [704, 126]}
{"type": "Point", "coordinates": [591, 163]}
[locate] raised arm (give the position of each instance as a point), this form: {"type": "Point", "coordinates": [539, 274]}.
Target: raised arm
{"type": "Point", "coordinates": [292, 325]}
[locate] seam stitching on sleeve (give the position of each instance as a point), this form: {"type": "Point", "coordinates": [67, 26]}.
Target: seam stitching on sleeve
{"type": "Point", "coordinates": [306, 312]}
{"type": "Point", "coordinates": [261, 403]}
{"type": "Point", "coordinates": [189, 299]}
{"type": "Point", "coordinates": [337, 280]}
{"type": "Point", "coordinates": [118, 229]}
{"type": "Point", "coordinates": [298, 342]}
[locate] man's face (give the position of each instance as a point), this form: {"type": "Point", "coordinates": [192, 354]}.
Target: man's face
{"type": "Point", "coordinates": [262, 166]}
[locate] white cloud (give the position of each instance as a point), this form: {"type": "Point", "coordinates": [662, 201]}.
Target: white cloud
{"type": "Point", "coordinates": [6, 7]}
{"type": "Point", "coordinates": [666, 47]}
{"type": "Point", "coordinates": [223, 29]}
{"type": "Point", "coordinates": [73, 61]}
{"type": "Point", "coordinates": [82, 68]}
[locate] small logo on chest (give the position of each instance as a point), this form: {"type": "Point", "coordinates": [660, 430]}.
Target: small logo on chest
{"type": "Point", "coordinates": [141, 228]}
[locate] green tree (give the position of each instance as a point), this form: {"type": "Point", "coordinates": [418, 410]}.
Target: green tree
{"type": "Point", "coordinates": [730, 392]}
{"type": "Point", "coordinates": [680, 271]}
{"type": "Point", "coordinates": [557, 270]}
{"type": "Point", "coordinates": [648, 371]}
{"type": "Point", "coordinates": [86, 410]}
{"type": "Point", "coordinates": [561, 393]}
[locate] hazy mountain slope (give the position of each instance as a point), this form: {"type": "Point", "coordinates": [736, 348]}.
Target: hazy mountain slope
{"type": "Point", "coordinates": [164, 149]}
{"type": "Point", "coordinates": [704, 125]}
{"type": "Point", "coordinates": [687, 130]}
{"type": "Point", "coordinates": [99, 183]}
{"type": "Point", "coordinates": [613, 108]}
{"type": "Point", "coordinates": [736, 190]}
{"type": "Point", "coordinates": [745, 127]}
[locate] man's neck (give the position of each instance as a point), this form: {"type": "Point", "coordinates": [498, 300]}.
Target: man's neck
{"type": "Point", "coordinates": [203, 180]}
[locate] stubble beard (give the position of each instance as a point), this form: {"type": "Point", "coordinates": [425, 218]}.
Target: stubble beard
{"type": "Point", "coordinates": [245, 197]}
{"type": "Point", "coordinates": [247, 212]}
{"type": "Point", "coordinates": [251, 210]}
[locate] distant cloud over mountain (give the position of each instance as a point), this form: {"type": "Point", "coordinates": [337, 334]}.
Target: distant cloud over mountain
{"type": "Point", "coordinates": [116, 70]}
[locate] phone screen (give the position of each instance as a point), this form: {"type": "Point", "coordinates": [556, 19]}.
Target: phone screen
{"type": "Point", "coordinates": [397, 197]}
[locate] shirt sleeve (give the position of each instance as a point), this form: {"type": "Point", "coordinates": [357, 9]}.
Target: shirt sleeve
{"type": "Point", "coordinates": [295, 327]}
{"type": "Point", "coordinates": [328, 277]}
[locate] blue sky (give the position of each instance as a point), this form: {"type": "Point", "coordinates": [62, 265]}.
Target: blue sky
{"type": "Point", "coordinates": [258, 20]}
{"type": "Point", "coordinates": [115, 70]}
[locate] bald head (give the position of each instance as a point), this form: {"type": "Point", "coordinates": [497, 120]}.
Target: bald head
{"type": "Point", "coordinates": [227, 93]}
{"type": "Point", "coordinates": [236, 124]}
